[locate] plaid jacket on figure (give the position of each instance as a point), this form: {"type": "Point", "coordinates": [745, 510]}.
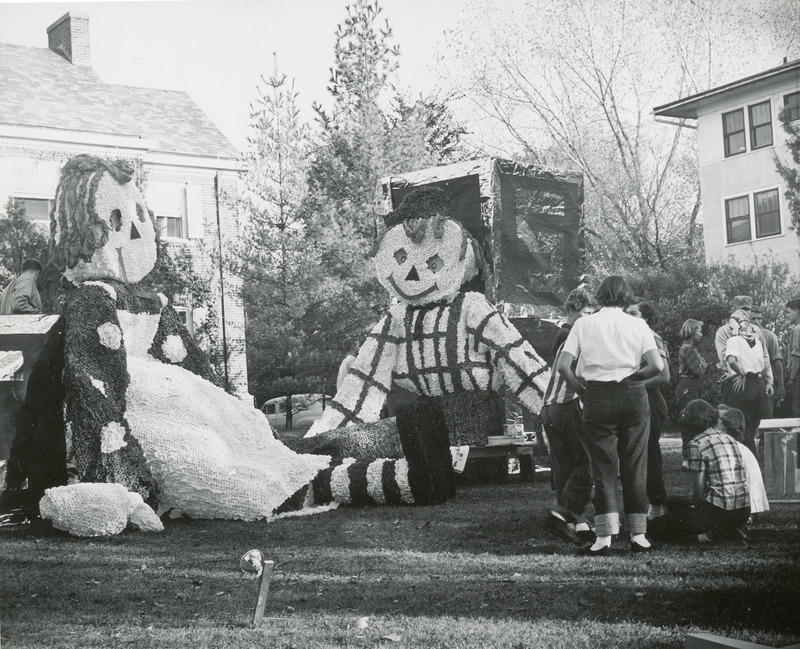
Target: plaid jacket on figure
{"type": "Point", "coordinates": [464, 345]}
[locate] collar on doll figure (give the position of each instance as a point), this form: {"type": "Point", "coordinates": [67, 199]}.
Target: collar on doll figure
{"type": "Point", "coordinates": [138, 292]}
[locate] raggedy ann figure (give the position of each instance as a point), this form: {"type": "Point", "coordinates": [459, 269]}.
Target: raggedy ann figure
{"type": "Point", "coordinates": [140, 405]}
{"type": "Point", "coordinates": [435, 341]}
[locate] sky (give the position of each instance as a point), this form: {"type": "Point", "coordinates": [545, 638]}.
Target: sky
{"type": "Point", "coordinates": [217, 50]}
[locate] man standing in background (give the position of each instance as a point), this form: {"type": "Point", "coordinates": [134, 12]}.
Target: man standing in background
{"type": "Point", "coordinates": [792, 311]}
{"type": "Point", "coordinates": [21, 296]}
{"type": "Point", "coordinates": [773, 347]}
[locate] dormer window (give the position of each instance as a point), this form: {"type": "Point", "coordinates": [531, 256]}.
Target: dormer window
{"type": "Point", "coordinates": [733, 132]}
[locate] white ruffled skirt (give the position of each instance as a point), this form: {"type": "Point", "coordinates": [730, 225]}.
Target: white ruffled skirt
{"type": "Point", "coordinates": [212, 455]}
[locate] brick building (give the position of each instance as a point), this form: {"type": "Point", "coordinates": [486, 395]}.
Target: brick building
{"type": "Point", "coordinates": [54, 106]}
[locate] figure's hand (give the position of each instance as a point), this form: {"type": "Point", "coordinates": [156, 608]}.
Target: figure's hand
{"type": "Point", "coordinates": [316, 428]}
{"type": "Point", "coordinates": [770, 390]}
{"type": "Point", "coordinates": [738, 383]}
{"type": "Point", "coordinates": [780, 394]}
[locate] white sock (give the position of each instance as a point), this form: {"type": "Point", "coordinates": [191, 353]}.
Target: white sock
{"type": "Point", "coordinates": [582, 527]}
{"type": "Point", "coordinates": [640, 539]}
{"type": "Point", "coordinates": [601, 542]}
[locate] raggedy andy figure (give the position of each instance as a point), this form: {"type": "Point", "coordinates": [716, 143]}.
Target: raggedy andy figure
{"type": "Point", "coordinates": [434, 340]}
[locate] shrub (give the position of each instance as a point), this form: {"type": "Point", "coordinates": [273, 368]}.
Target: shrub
{"type": "Point", "coordinates": [705, 292]}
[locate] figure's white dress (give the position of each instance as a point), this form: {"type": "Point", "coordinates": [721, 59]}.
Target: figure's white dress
{"type": "Point", "coordinates": [212, 455]}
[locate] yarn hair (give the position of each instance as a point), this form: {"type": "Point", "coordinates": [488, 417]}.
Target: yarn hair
{"type": "Point", "coordinates": [76, 229]}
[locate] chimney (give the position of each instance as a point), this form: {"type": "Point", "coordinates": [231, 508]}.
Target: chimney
{"type": "Point", "coordinates": [69, 37]}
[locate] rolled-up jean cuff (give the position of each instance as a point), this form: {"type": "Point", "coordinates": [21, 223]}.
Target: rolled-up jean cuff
{"type": "Point", "coordinates": [637, 523]}
{"type": "Point", "coordinates": [569, 515]}
{"type": "Point", "coordinates": [607, 524]}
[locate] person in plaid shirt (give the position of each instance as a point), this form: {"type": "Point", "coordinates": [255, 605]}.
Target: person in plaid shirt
{"type": "Point", "coordinates": [720, 499]}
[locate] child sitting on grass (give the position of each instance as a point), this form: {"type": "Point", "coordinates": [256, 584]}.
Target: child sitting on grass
{"type": "Point", "coordinates": [732, 422]}
{"type": "Point", "coordinates": [720, 501]}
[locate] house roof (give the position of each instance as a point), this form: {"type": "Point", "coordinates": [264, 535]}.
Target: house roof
{"type": "Point", "coordinates": [40, 88]}
{"type": "Point", "coordinates": [688, 106]}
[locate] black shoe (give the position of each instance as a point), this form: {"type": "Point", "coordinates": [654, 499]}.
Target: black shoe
{"type": "Point", "coordinates": [588, 552]}
{"type": "Point", "coordinates": [587, 536]}
{"type": "Point", "coordinates": [640, 549]}
{"type": "Point", "coordinates": [558, 526]}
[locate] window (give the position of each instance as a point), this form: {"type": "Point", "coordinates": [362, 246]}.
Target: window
{"type": "Point", "coordinates": [270, 408]}
{"type": "Point", "coordinates": [168, 202]}
{"type": "Point", "coordinates": [737, 216]}
{"type": "Point", "coordinates": [760, 125]}
{"type": "Point", "coordinates": [766, 207]}
{"type": "Point", "coordinates": [733, 132]}
{"type": "Point", "coordinates": [766, 215]}
{"type": "Point", "coordinates": [37, 209]}
{"type": "Point", "coordinates": [792, 104]}
{"type": "Point", "coordinates": [170, 226]}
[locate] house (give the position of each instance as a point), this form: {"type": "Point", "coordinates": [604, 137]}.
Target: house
{"type": "Point", "coordinates": [745, 212]}
{"type": "Point", "coordinates": [54, 106]}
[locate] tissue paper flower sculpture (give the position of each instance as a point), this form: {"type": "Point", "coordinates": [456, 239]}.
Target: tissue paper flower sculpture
{"type": "Point", "coordinates": [434, 341]}
{"type": "Point", "coordinates": [140, 405]}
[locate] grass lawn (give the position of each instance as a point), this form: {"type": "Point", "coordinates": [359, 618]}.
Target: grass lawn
{"type": "Point", "coordinates": [478, 571]}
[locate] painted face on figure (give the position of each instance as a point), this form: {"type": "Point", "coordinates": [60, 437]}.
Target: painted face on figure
{"type": "Point", "coordinates": [633, 309]}
{"type": "Point", "coordinates": [130, 252]}
{"type": "Point", "coordinates": [429, 269]}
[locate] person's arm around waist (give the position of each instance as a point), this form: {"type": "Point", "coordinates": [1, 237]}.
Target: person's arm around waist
{"type": "Point", "coordinates": [652, 368]}
{"type": "Point", "coordinates": [564, 368]}
{"type": "Point", "coordinates": [662, 378]}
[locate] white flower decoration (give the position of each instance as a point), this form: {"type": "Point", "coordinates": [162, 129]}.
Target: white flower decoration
{"type": "Point", "coordinates": [112, 438]}
{"type": "Point", "coordinates": [110, 335]}
{"type": "Point", "coordinates": [174, 349]}
{"type": "Point", "coordinates": [101, 387]}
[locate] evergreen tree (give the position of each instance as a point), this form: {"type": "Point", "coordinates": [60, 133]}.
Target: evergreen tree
{"type": "Point", "coordinates": [20, 239]}
{"type": "Point", "coordinates": [280, 273]}
{"type": "Point", "coordinates": [791, 175]}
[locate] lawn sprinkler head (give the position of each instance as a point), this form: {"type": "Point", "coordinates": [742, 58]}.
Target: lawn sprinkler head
{"type": "Point", "coordinates": [252, 562]}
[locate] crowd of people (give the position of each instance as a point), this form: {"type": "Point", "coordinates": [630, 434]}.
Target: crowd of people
{"type": "Point", "coordinates": [605, 410]}
{"type": "Point", "coordinates": [604, 413]}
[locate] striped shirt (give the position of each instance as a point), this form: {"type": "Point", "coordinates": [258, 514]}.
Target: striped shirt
{"type": "Point", "coordinates": [558, 390]}
{"type": "Point", "coordinates": [725, 474]}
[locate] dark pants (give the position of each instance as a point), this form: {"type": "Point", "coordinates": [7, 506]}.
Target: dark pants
{"type": "Point", "coordinates": [570, 466]}
{"type": "Point", "coordinates": [656, 492]}
{"type": "Point", "coordinates": [688, 389]}
{"type": "Point", "coordinates": [617, 426]}
{"type": "Point", "coordinates": [685, 520]}
{"type": "Point", "coordinates": [794, 397]}
{"type": "Point", "coordinates": [751, 401]}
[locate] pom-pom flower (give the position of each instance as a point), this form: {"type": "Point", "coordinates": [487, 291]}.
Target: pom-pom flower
{"type": "Point", "coordinates": [112, 438]}
{"type": "Point", "coordinates": [174, 349]}
{"type": "Point", "coordinates": [110, 335]}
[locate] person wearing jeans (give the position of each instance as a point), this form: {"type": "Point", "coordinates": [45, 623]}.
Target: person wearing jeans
{"type": "Point", "coordinates": [562, 419]}
{"type": "Point", "coordinates": [609, 347]}
{"type": "Point", "coordinates": [656, 491]}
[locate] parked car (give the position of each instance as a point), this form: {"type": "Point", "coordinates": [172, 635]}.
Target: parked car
{"type": "Point", "coordinates": [307, 409]}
